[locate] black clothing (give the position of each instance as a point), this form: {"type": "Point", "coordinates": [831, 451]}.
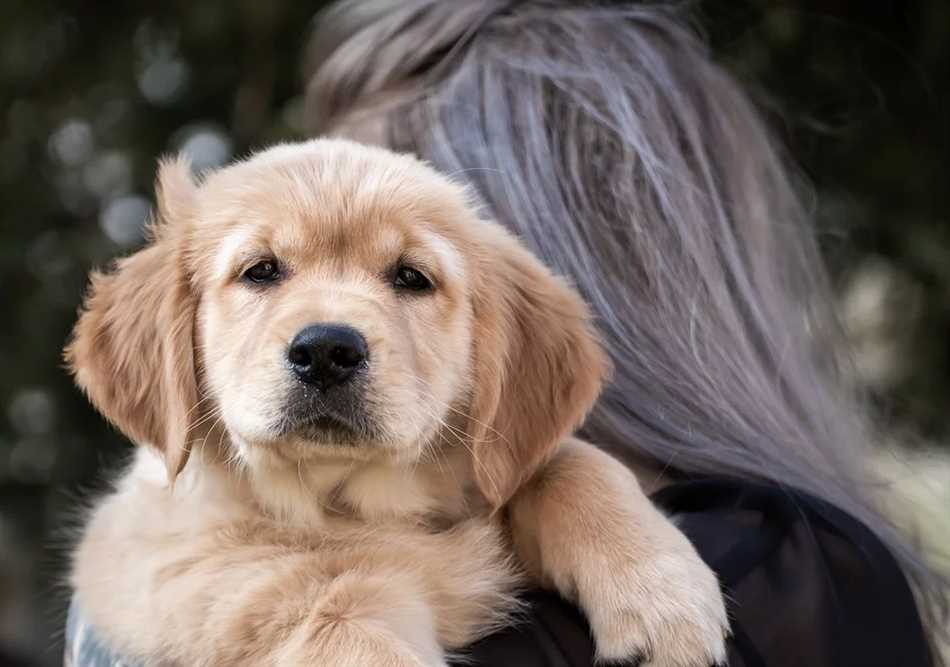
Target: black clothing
{"type": "Point", "coordinates": [807, 585]}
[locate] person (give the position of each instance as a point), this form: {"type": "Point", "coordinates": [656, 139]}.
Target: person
{"type": "Point", "coordinates": [606, 137]}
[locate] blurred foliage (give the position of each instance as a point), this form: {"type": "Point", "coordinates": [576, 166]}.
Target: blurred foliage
{"type": "Point", "coordinates": [91, 93]}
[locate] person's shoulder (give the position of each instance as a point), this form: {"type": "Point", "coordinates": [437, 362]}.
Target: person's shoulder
{"type": "Point", "coordinates": [806, 582]}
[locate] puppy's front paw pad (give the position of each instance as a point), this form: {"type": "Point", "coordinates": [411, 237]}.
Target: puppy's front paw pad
{"type": "Point", "coordinates": [669, 612]}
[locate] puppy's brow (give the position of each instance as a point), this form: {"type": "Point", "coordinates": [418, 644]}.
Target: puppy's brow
{"type": "Point", "coordinates": [234, 245]}
{"type": "Point", "coordinates": [390, 242]}
{"type": "Point", "coordinates": [449, 258]}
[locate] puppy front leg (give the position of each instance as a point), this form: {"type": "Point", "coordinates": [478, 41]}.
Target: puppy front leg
{"type": "Point", "coordinates": [585, 527]}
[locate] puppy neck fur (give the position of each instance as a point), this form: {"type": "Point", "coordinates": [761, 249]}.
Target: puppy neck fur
{"type": "Point", "coordinates": [310, 493]}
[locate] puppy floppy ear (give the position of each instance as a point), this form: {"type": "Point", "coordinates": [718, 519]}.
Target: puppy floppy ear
{"type": "Point", "coordinates": [538, 368]}
{"type": "Point", "coordinates": [132, 350]}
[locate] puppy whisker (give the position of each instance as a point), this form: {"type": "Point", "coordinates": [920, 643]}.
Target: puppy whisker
{"type": "Point", "coordinates": [215, 412]}
{"type": "Point", "coordinates": [198, 403]}
{"type": "Point", "coordinates": [462, 439]}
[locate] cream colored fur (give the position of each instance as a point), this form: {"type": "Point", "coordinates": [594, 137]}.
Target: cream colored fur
{"type": "Point", "coordinates": [230, 541]}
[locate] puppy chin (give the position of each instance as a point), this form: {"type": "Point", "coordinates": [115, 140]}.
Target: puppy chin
{"type": "Point", "coordinates": [287, 438]}
{"type": "Point", "coordinates": [304, 448]}
{"type": "Point", "coordinates": [305, 445]}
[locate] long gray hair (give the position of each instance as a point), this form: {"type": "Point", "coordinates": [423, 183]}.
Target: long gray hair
{"type": "Point", "coordinates": [622, 155]}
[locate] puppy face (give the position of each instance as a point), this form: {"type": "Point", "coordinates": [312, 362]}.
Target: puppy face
{"type": "Point", "coordinates": [335, 316]}
{"type": "Point", "coordinates": [333, 300]}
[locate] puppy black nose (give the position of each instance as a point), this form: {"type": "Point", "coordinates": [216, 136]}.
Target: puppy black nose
{"type": "Point", "coordinates": [325, 355]}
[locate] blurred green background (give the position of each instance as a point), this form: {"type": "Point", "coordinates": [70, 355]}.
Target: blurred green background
{"type": "Point", "coordinates": [91, 93]}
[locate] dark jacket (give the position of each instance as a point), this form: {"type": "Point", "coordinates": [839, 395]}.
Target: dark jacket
{"type": "Point", "coordinates": [806, 586]}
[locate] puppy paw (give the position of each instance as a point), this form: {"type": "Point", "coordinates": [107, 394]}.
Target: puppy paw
{"type": "Point", "coordinates": [664, 612]}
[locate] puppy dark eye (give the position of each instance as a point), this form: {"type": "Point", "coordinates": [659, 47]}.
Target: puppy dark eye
{"type": "Point", "coordinates": [265, 271]}
{"type": "Point", "coordinates": [411, 279]}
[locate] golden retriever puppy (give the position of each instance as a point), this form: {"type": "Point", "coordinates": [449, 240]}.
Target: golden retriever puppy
{"type": "Point", "coordinates": [374, 391]}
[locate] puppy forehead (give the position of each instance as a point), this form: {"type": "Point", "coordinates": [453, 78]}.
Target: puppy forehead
{"type": "Point", "coordinates": [311, 206]}
{"type": "Point", "coordinates": [306, 240]}
{"type": "Point", "coordinates": [334, 183]}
